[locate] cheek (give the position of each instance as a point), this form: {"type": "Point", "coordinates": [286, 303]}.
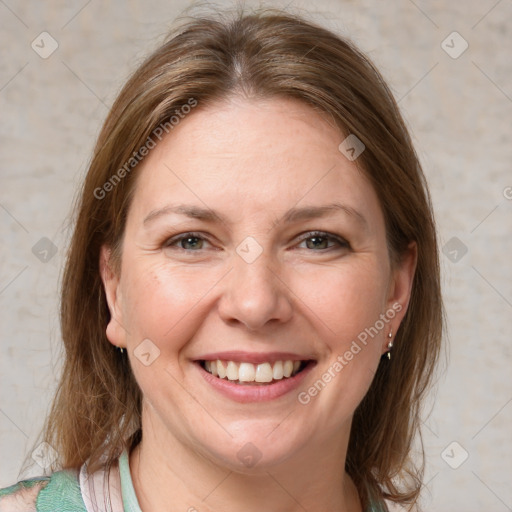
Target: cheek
{"type": "Point", "coordinates": [160, 302]}
{"type": "Point", "coordinates": [345, 299]}
{"type": "Point", "coordinates": [162, 306]}
{"type": "Point", "coordinates": [348, 303]}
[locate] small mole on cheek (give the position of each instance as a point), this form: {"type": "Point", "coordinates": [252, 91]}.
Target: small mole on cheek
{"type": "Point", "coordinates": [155, 277]}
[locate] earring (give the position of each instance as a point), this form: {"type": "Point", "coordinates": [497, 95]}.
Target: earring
{"type": "Point", "coordinates": [390, 345]}
{"type": "Point", "coordinates": [121, 349]}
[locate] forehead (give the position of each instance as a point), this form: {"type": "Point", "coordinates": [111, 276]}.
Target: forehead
{"type": "Point", "coordinates": [251, 157]}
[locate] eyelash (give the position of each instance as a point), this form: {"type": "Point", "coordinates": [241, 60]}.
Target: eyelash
{"type": "Point", "coordinates": [342, 243]}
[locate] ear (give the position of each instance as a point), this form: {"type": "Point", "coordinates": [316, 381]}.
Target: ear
{"type": "Point", "coordinates": [115, 331]}
{"type": "Point", "coordinates": [399, 290]}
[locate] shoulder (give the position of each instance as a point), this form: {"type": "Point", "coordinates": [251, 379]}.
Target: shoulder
{"type": "Point", "coordinates": [23, 495]}
{"type": "Point", "coordinates": [59, 492]}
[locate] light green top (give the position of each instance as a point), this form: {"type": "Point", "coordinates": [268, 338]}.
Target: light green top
{"type": "Point", "coordinates": [61, 492]}
{"type": "Point", "coordinates": [130, 501]}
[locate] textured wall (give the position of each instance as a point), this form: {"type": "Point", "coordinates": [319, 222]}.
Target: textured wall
{"type": "Point", "coordinates": [458, 103]}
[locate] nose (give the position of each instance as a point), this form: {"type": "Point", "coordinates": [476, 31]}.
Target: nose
{"type": "Point", "coordinates": [255, 295]}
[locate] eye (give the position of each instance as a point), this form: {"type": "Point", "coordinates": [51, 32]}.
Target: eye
{"type": "Point", "coordinates": [319, 241]}
{"type": "Point", "coordinates": [187, 242]}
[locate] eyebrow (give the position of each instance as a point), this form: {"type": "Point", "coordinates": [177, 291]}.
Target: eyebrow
{"type": "Point", "coordinates": [292, 215]}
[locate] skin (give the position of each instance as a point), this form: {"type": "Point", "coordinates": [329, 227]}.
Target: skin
{"type": "Point", "coordinates": [252, 161]}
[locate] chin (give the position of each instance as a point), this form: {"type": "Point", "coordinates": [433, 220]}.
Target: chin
{"type": "Point", "coordinates": [255, 447]}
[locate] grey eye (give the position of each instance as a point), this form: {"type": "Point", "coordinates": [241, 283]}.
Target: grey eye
{"type": "Point", "coordinates": [318, 242]}
{"type": "Point", "coordinates": [191, 242]}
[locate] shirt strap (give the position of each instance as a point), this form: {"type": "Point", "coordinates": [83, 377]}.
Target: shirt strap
{"type": "Point", "coordinates": [101, 490]}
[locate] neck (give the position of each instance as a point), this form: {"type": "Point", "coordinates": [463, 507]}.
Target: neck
{"type": "Point", "coordinates": [168, 474]}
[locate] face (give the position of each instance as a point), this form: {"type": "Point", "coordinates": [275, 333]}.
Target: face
{"type": "Point", "coordinates": [255, 293]}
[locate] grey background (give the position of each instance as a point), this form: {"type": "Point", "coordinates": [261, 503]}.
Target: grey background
{"type": "Point", "coordinates": [459, 111]}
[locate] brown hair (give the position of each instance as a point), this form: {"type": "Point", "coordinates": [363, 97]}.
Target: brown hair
{"type": "Point", "coordinates": [97, 407]}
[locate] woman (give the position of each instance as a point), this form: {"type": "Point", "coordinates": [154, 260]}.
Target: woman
{"type": "Point", "coordinates": [251, 305]}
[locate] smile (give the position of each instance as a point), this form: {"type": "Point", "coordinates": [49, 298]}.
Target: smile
{"type": "Point", "coordinates": [248, 377]}
{"type": "Point", "coordinates": [255, 374]}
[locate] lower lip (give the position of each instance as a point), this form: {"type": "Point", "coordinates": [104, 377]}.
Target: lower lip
{"type": "Point", "coordinates": [255, 393]}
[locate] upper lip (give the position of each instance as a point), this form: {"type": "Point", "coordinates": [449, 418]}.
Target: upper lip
{"type": "Point", "coordinates": [253, 357]}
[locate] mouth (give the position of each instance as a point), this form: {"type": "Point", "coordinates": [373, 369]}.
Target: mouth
{"type": "Point", "coordinates": [245, 377]}
{"type": "Point", "coordinates": [249, 374]}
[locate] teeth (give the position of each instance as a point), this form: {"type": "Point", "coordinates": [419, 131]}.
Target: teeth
{"type": "Point", "coordinates": [232, 371]}
{"type": "Point", "coordinates": [263, 372]}
{"type": "Point", "coordinates": [287, 368]}
{"type": "Point", "coordinates": [248, 372]}
{"type": "Point", "coordinates": [278, 370]}
{"type": "Point", "coordinates": [221, 369]}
